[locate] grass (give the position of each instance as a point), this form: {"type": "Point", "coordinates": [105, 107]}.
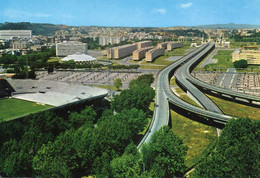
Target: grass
{"type": "Point", "coordinates": [236, 109]}
{"type": "Point", "coordinates": [182, 95]}
{"type": "Point", "coordinates": [13, 108]}
{"type": "Point", "coordinates": [109, 87]}
{"type": "Point", "coordinates": [199, 138]}
{"type": "Point", "coordinates": [54, 60]}
{"type": "Point", "coordinates": [151, 67]}
{"type": "Point", "coordinates": [224, 58]}
{"type": "Point", "coordinates": [173, 81]}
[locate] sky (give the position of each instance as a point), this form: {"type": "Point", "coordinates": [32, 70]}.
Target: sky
{"type": "Point", "coordinates": [131, 13]}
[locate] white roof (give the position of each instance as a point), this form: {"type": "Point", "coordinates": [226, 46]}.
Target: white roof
{"type": "Point", "coordinates": [79, 58]}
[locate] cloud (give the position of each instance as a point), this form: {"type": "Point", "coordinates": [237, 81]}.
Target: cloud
{"type": "Point", "coordinates": [187, 5]}
{"type": "Point", "coordinates": [11, 13]}
{"type": "Point", "coordinates": [161, 11]}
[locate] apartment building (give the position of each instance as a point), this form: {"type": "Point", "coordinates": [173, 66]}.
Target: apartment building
{"type": "Point", "coordinates": [121, 51]}
{"type": "Point", "coordinates": [171, 46]}
{"type": "Point", "coordinates": [71, 47]}
{"type": "Point", "coordinates": [10, 34]}
{"type": "Point", "coordinates": [154, 53]}
{"type": "Point", "coordinates": [252, 56]}
{"type": "Point", "coordinates": [162, 45]}
{"type": "Point", "coordinates": [144, 44]}
{"type": "Point", "coordinates": [140, 53]}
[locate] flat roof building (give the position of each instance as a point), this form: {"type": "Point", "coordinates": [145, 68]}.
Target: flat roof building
{"type": "Point", "coordinates": [162, 45]}
{"type": "Point", "coordinates": [121, 51]}
{"type": "Point", "coordinates": [252, 56]}
{"type": "Point", "coordinates": [10, 34]}
{"type": "Point", "coordinates": [171, 46]}
{"type": "Point", "coordinates": [71, 47]}
{"type": "Point", "coordinates": [154, 53]}
{"type": "Point", "coordinates": [140, 53]}
{"type": "Point", "coordinates": [144, 44]}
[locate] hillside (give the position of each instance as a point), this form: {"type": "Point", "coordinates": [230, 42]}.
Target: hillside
{"type": "Point", "coordinates": [37, 28]}
{"type": "Point", "coordinates": [228, 26]}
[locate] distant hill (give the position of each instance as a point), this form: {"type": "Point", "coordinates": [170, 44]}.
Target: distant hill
{"type": "Point", "coordinates": [228, 26]}
{"type": "Point", "coordinates": [37, 28]}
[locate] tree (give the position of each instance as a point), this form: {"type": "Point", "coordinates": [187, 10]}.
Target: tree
{"type": "Point", "coordinates": [242, 63]}
{"type": "Point", "coordinates": [118, 83]}
{"type": "Point", "coordinates": [146, 79]}
{"type": "Point", "coordinates": [165, 154]}
{"type": "Point", "coordinates": [237, 152]}
{"type": "Point", "coordinates": [138, 97]}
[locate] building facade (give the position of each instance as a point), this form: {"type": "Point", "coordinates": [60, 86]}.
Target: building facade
{"type": "Point", "coordinates": [171, 46]}
{"type": "Point", "coordinates": [154, 53]}
{"type": "Point", "coordinates": [140, 53]}
{"type": "Point", "coordinates": [71, 47]}
{"type": "Point", "coordinates": [10, 34]}
{"type": "Point", "coordinates": [252, 56]}
{"type": "Point", "coordinates": [162, 45]}
{"type": "Point", "coordinates": [121, 51]}
{"type": "Point", "coordinates": [21, 44]}
{"type": "Point", "coordinates": [144, 44]}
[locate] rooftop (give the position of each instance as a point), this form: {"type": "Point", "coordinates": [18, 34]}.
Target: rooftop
{"type": "Point", "coordinates": [79, 58]}
{"type": "Point", "coordinates": [52, 92]}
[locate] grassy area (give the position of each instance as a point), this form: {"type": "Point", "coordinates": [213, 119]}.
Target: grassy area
{"type": "Point", "coordinates": [12, 108]}
{"type": "Point", "coordinates": [185, 97]}
{"type": "Point", "coordinates": [173, 81]}
{"type": "Point", "coordinates": [54, 60]}
{"type": "Point", "coordinates": [109, 87]}
{"type": "Point", "coordinates": [151, 67]}
{"type": "Point", "coordinates": [199, 138]}
{"type": "Point", "coordinates": [236, 109]}
{"type": "Point", "coordinates": [224, 58]}
{"type": "Point", "coordinates": [234, 44]}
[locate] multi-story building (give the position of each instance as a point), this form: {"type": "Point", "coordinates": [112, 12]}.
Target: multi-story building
{"type": "Point", "coordinates": [154, 53]}
{"type": "Point", "coordinates": [162, 45]}
{"type": "Point", "coordinates": [10, 34]}
{"type": "Point", "coordinates": [110, 40]}
{"type": "Point", "coordinates": [171, 46]}
{"type": "Point", "coordinates": [140, 53]}
{"type": "Point", "coordinates": [121, 51]}
{"type": "Point", "coordinates": [71, 47]}
{"type": "Point", "coordinates": [21, 44]}
{"type": "Point", "coordinates": [252, 56]}
{"type": "Point", "coordinates": [144, 44]}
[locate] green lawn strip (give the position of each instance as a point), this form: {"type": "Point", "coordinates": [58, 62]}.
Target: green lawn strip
{"type": "Point", "coordinates": [236, 109]}
{"type": "Point", "coordinates": [151, 67]}
{"type": "Point", "coordinates": [224, 60]}
{"type": "Point", "coordinates": [109, 87]}
{"type": "Point", "coordinates": [54, 60]}
{"type": "Point", "coordinates": [173, 81]}
{"type": "Point", "coordinates": [185, 97]}
{"type": "Point", "coordinates": [12, 108]}
{"type": "Point", "coordinates": [199, 138]}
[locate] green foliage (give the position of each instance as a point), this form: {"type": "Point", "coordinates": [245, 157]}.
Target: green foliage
{"type": "Point", "coordinates": [165, 154]}
{"type": "Point", "coordinates": [138, 97]}
{"type": "Point", "coordinates": [236, 154]}
{"type": "Point", "coordinates": [118, 83]}
{"type": "Point", "coordinates": [146, 79]}
{"type": "Point", "coordinates": [242, 63]}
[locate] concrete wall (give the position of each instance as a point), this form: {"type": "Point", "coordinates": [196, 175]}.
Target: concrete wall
{"type": "Point", "coordinates": [154, 53]}
{"type": "Point", "coordinates": [171, 46]}
{"type": "Point", "coordinates": [140, 53]}
{"type": "Point", "coordinates": [69, 48]}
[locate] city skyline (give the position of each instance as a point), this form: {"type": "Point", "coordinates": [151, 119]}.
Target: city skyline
{"type": "Point", "coordinates": [131, 13]}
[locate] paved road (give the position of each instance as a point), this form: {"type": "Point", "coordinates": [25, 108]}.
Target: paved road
{"type": "Point", "coordinates": [164, 95]}
{"type": "Point", "coordinates": [210, 59]}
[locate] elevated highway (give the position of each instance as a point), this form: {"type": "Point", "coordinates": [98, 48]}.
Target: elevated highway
{"type": "Point", "coordinates": [164, 96]}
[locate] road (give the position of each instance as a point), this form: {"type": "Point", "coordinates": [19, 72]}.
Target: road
{"type": "Point", "coordinates": [164, 96]}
